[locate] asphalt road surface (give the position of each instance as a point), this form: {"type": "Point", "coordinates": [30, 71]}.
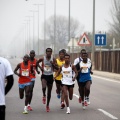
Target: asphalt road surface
{"type": "Point", "coordinates": [104, 98]}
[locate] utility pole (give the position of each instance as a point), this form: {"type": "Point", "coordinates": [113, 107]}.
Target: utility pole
{"type": "Point", "coordinates": [44, 26]}
{"type": "Point", "coordinates": [38, 27]}
{"type": "Point", "coordinates": [54, 43]}
{"type": "Point", "coordinates": [93, 48]}
{"type": "Point", "coordinates": [33, 27]}
{"type": "Point", "coordinates": [69, 24]}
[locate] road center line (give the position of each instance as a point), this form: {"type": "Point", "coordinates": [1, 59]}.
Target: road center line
{"type": "Point", "coordinates": [101, 110]}
{"type": "Point", "coordinates": [76, 95]}
{"type": "Point", "coordinates": [111, 80]}
{"type": "Point", "coordinates": [108, 114]}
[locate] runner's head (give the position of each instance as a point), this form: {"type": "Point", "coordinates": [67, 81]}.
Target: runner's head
{"type": "Point", "coordinates": [61, 54]}
{"type": "Point", "coordinates": [84, 57]}
{"type": "Point", "coordinates": [26, 58]}
{"type": "Point", "coordinates": [67, 58]}
{"type": "Point", "coordinates": [64, 51]}
{"type": "Point", "coordinates": [82, 51]}
{"type": "Point", "coordinates": [32, 54]}
{"type": "Point", "coordinates": [49, 52]}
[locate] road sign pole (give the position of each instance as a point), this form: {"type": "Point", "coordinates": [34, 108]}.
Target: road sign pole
{"type": "Point", "coordinates": [100, 58]}
{"type": "Point", "coordinates": [93, 49]}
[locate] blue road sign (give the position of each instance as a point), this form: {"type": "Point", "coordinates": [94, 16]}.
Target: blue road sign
{"type": "Point", "coordinates": [100, 40]}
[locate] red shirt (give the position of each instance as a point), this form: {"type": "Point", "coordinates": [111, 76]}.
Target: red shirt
{"type": "Point", "coordinates": [25, 73]}
{"type": "Point", "coordinates": [34, 67]}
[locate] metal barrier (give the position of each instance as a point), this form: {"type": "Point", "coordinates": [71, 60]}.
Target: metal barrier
{"type": "Point", "coordinates": [110, 60]}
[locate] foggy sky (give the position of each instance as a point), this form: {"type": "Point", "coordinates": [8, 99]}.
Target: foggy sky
{"type": "Point", "coordinates": [13, 12]}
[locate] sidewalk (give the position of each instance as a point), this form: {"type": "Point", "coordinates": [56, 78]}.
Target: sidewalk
{"type": "Point", "coordinates": [107, 74]}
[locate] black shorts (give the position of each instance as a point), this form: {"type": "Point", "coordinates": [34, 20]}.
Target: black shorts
{"type": "Point", "coordinates": [2, 112]}
{"type": "Point", "coordinates": [82, 84]}
{"type": "Point", "coordinates": [58, 82]}
{"type": "Point", "coordinates": [69, 86]}
{"type": "Point", "coordinates": [48, 78]}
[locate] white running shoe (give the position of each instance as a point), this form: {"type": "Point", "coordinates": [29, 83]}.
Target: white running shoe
{"type": "Point", "coordinates": [83, 106]}
{"type": "Point", "coordinates": [88, 101]}
{"type": "Point", "coordinates": [25, 111]}
{"type": "Point", "coordinates": [68, 110]}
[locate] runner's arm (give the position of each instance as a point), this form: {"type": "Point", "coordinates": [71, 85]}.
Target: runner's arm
{"type": "Point", "coordinates": [16, 69]}
{"type": "Point", "coordinates": [75, 70]}
{"type": "Point", "coordinates": [54, 64]}
{"type": "Point", "coordinates": [91, 69]}
{"type": "Point", "coordinates": [38, 65]}
{"type": "Point", "coordinates": [57, 74]}
{"type": "Point", "coordinates": [9, 83]}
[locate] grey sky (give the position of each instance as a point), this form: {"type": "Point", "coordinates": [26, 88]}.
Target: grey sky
{"type": "Point", "coordinates": [13, 12]}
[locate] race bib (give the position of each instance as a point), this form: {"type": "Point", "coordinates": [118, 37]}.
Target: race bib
{"type": "Point", "coordinates": [84, 70]}
{"type": "Point", "coordinates": [47, 68]}
{"type": "Point", "coordinates": [25, 72]}
{"type": "Point", "coordinates": [67, 74]}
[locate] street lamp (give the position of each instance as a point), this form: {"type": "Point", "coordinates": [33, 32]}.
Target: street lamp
{"type": "Point", "coordinates": [69, 24]}
{"type": "Point", "coordinates": [93, 49]}
{"type": "Point", "coordinates": [33, 27]}
{"type": "Point", "coordinates": [44, 25]}
{"type": "Point", "coordinates": [38, 27]}
{"type": "Point", "coordinates": [54, 26]}
{"type": "Point", "coordinates": [29, 32]}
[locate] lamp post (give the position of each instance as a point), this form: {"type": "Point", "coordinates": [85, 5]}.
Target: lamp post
{"type": "Point", "coordinates": [33, 27]}
{"type": "Point", "coordinates": [69, 24]}
{"type": "Point", "coordinates": [54, 42]}
{"type": "Point", "coordinates": [44, 25]}
{"type": "Point", "coordinates": [30, 47]}
{"type": "Point", "coordinates": [38, 27]}
{"type": "Point", "coordinates": [28, 34]}
{"type": "Point", "coordinates": [93, 49]}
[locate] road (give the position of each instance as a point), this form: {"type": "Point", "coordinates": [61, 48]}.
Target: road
{"type": "Point", "coordinates": [104, 98]}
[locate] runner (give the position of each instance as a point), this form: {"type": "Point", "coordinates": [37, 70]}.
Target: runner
{"type": "Point", "coordinates": [48, 64]}
{"type": "Point", "coordinates": [67, 80]}
{"type": "Point", "coordinates": [24, 80]}
{"type": "Point", "coordinates": [32, 61]}
{"type": "Point", "coordinates": [85, 79]}
{"type": "Point", "coordinates": [76, 63]}
{"type": "Point", "coordinates": [60, 62]}
{"type": "Point", "coordinates": [5, 72]}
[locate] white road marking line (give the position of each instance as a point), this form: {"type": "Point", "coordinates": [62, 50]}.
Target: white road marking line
{"type": "Point", "coordinates": [76, 95]}
{"type": "Point", "coordinates": [111, 80]}
{"type": "Point", "coordinates": [108, 114]}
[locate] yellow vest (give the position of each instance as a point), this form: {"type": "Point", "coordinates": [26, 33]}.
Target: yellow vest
{"type": "Point", "coordinates": [59, 63]}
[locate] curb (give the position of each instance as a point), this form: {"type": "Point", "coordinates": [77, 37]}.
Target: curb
{"type": "Point", "coordinates": [107, 75]}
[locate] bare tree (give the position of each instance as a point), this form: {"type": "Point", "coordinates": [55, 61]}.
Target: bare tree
{"type": "Point", "coordinates": [61, 37]}
{"type": "Point", "coordinates": [115, 26]}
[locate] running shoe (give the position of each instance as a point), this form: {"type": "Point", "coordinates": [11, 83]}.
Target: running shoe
{"type": "Point", "coordinates": [83, 106]}
{"type": "Point", "coordinates": [88, 101]}
{"type": "Point", "coordinates": [25, 111]}
{"type": "Point", "coordinates": [29, 108]}
{"type": "Point", "coordinates": [85, 103]}
{"type": "Point", "coordinates": [68, 110]}
{"type": "Point", "coordinates": [47, 109]}
{"type": "Point", "coordinates": [58, 96]}
{"type": "Point", "coordinates": [80, 100]}
{"type": "Point", "coordinates": [44, 99]}
{"type": "Point", "coordinates": [62, 105]}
